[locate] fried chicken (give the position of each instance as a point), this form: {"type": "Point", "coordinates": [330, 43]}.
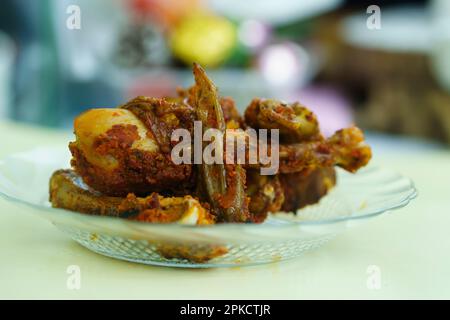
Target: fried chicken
{"type": "Point", "coordinates": [118, 152]}
{"type": "Point", "coordinates": [123, 156]}
{"type": "Point", "coordinates": [305, 188]}
{"type": "Point", "coordinates": [67, 191]}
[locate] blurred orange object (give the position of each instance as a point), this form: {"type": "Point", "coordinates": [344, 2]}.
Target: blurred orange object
{"type": "Point", "coordinates": [166, 12]}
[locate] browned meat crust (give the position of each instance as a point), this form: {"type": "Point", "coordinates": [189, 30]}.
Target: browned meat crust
{"type": "Point", "coordinates": [305, 188]}
{"type": "Point", "coordinates": [68, 192]}
{"type": "Point", "coordinates": [295, 122]}
{"type": "Point", "coordinates": [138, 172]}
{"type": "Point", "coordinates": [162, 118]}
{"type": "Point", "coordinates": [129, 151]}
{"type": "Point", "coordinates": [195, 253]}
{"type": "Point", "coordinates": [230, 113]}
{"type": "Point", "coordinates": [266, 195]}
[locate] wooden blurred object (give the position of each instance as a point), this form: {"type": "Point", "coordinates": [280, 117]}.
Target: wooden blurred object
{"type": "Point", "coordinates": [393, 92]}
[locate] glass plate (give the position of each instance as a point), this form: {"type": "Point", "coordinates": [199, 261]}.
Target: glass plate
{"type": "Point", "coordinates": [356, 199]}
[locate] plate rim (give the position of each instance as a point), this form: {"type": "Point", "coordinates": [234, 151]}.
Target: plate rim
{"type": "Point", "coordinates": [411, 194]}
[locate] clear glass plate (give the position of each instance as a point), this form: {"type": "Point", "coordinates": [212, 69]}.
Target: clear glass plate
{"type": "Point", "coordinates": [356, 199]}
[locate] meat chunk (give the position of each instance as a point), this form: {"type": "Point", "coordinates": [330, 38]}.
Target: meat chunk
{"type": "Point", "coordinates": [116, 153]}
{"type": "Point", "coordinates": [67, 191]}
{"type": "Point", "coordinates": [305, 188]}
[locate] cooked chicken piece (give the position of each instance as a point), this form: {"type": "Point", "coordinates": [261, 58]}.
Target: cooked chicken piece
{"type": "Point", "coordinates": [349, 148]}
{"type": "Point", "coordinates": [67, 191]}
{"type": "Point", "coordinates": [301, 145]}
{"type": "Point", "coordinates": [346, 149]}
{"type": "Point", "coordinates": [305, 188]}
{"type": "Point", "coordinates": [287, 192]}
{"type": "Point", "coordinates": [295, 122]}
{"type": "Point", "coordinates": [266, 195]}
{"type": "Point", "coordinates": [306, 159]}
{"type": "Point", "coordinates": [124, 154]}
{"type": "Point", "coordinates": [198, 253]}
{"type": "Point", "coordinates": [231, 114]}
{"type": "Point", "coordinates": [161, 118]}
{"type": "Point", "coordinates": [127, 150]}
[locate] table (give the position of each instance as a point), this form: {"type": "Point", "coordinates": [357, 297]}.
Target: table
{"type": "Point", "coordinates": [409, 248]}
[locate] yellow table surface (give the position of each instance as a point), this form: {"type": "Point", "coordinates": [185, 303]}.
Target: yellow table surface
{"type": "Point", "coordinates": [411, 248]}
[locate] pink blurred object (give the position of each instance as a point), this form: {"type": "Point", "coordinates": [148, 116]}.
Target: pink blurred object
{"type": "Point", "coordinates": [163, 86]}
{"type": "Point", "coordinates": [254, 34]}
{"type": "Point", "coordinates": [332, 109]}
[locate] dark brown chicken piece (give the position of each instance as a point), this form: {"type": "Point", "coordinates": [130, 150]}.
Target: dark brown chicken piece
{"type": "Point", "coordinates": [266, 195]}
{"type": "Point", "coordinates": [305, 188]}
{"type": "Point", "coordinates": [287, 192]}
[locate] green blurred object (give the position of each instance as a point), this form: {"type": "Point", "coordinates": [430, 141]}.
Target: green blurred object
{"type": "Point", "coordinates": [295, 31]}
{"type": "Point", "coordinates": [241, 57]}
{"type": "Point", "coordinates": [50, 115]}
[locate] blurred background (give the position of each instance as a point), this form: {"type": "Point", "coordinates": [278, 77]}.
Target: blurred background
{"type": "Point", "coordinates": [56, 60]}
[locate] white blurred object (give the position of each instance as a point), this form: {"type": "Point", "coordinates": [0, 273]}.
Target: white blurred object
{"type": "Point", "coordinates": [82, 52]}
{"type": "Point", "coordinates": [6, 63]}
{"type": "Point", "coordinates": [403, 29]}
{"type": "Point", "coordinates": [408, 29]}
{"type": "Point", "coordinates": [441, 41]}
{"type": "Point", "coordinates": [284, 65]}
{"type": "Point", "coordinates": [273, 12]}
